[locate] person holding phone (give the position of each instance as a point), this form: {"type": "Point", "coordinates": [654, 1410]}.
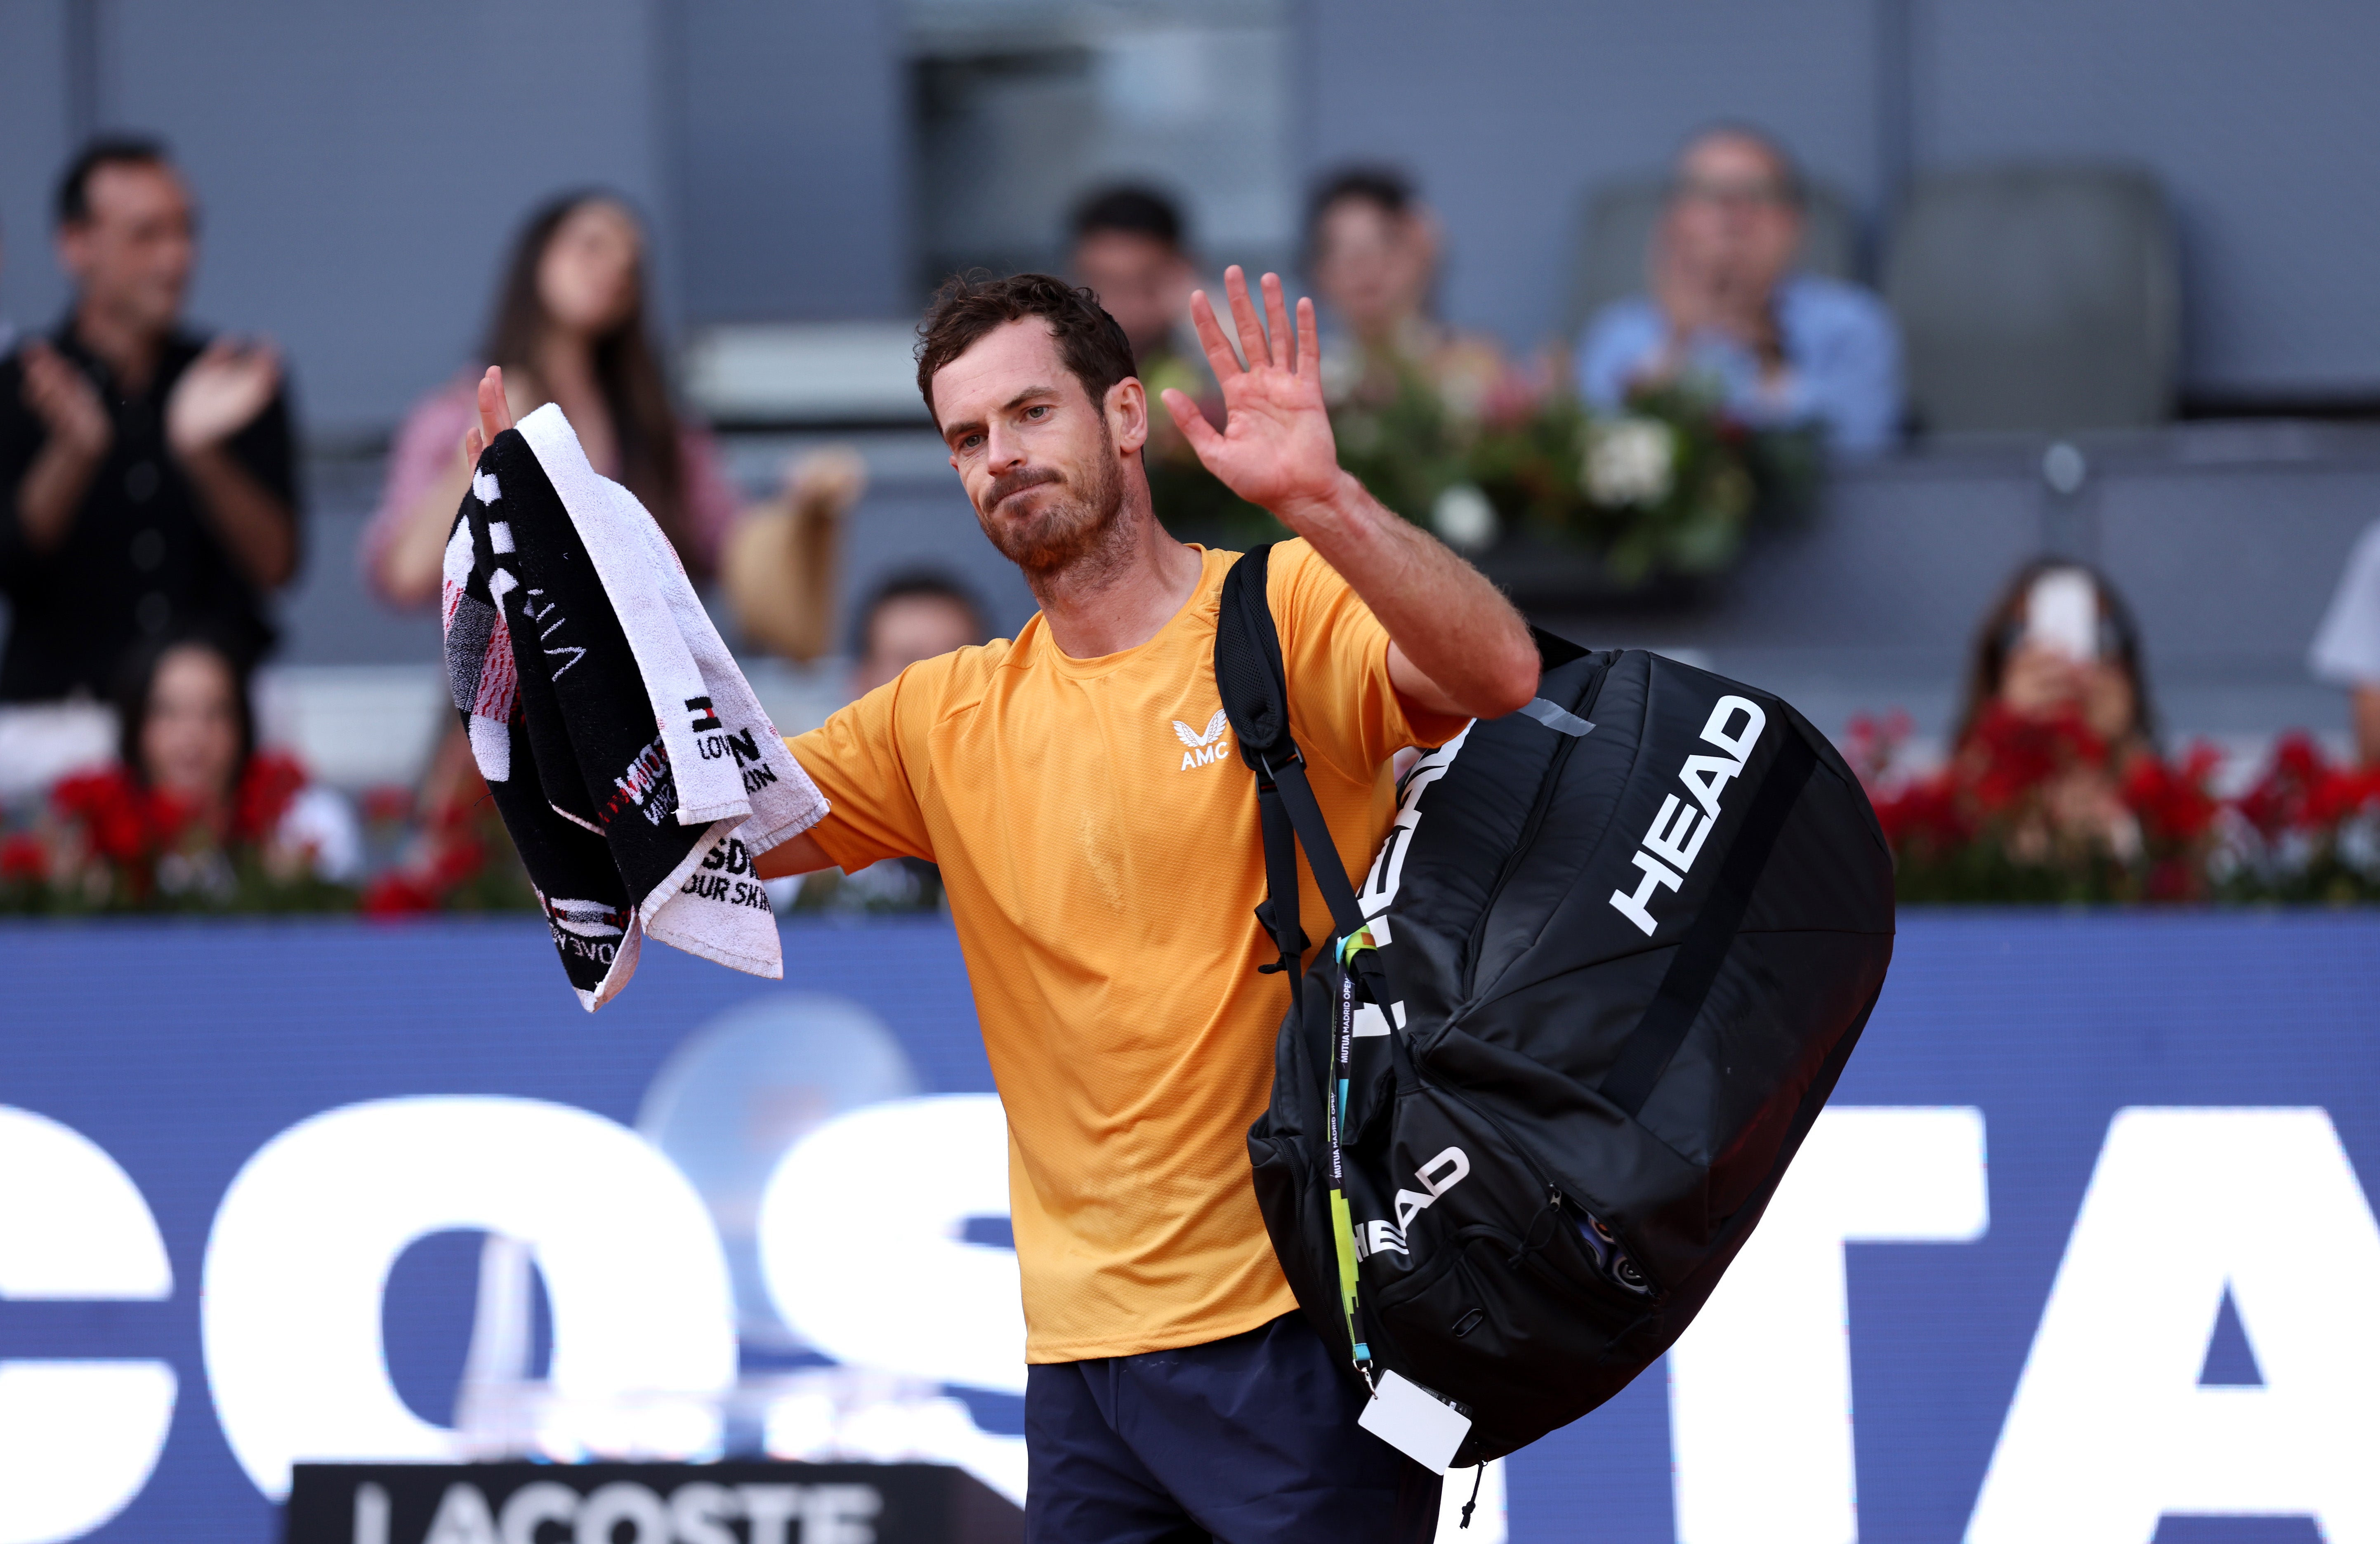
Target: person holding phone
{"type": "Point", "coordinates": [2059, 640]}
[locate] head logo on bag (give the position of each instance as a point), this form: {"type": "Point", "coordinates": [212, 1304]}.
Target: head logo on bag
{"type": "Point", "coordinates": [1559, 1107]}
{"type": "Point", "coordinates": [1676, 836]}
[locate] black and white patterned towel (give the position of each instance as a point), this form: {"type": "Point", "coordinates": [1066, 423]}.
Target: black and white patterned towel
{"type": "Point", "coordinates": [636, 770]}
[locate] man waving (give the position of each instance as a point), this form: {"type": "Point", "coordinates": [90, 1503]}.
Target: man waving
{"type": "Point", "coordinates": [1097, 839]}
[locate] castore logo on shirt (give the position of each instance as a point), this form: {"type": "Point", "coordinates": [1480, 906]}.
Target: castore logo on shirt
{"type": "Point", "coordinates": [1207, 748]}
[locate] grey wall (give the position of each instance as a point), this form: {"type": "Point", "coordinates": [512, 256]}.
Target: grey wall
{"type": "Point", "coordinates": [362, 162]}
{"type": "Point", "coordinates": [2259, 119]}
{"type": "Point", "coordinates": [33, 139]}
{"type": "Point", "coordinates": [362, 165]}
{"type": "Point", "coordinates": [791, 171]}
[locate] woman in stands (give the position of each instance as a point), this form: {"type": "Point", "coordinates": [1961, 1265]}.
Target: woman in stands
{"type": "Point", "coordinates": [2057, 698]}
{"type": "Point", "coordinates": [192, 800]}
{"type": "Point", "coordinates": [570, 327]}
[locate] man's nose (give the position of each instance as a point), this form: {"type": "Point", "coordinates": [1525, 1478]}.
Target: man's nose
{"type": "Point", "coordinates": [1002, 449]}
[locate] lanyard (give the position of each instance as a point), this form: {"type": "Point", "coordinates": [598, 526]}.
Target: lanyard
{"type": "Point", "coordinates": [1342, 1226]}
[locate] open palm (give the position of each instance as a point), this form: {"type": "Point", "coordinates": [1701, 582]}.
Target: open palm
{"type": "Point", "coordinates": [221, 393]}
{"type": "Point", "coordinates": [1275, 448]}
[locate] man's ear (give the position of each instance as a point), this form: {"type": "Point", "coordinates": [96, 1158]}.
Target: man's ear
{"type": "Point", "coordinates": [1127, 410]}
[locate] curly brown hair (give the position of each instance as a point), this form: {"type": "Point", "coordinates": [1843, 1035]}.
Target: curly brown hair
{"type": "Point", "coordinates": [970, 305]}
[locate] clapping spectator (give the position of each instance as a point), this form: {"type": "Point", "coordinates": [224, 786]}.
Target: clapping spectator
{"type": "Point", "coordinates": [1372, 248]}
{"type": "Point", "coordinates": [570, 328]}
{"type": "Point", "coordinates": [148, 470]}
{"type": "Point", "coordinates": [1782, 348]}
{"type": "Point", "coordinates": [2347, 650]}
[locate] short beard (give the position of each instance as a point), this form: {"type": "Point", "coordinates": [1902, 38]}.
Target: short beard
{"type": "Point", "coordinates": [1077, 536]}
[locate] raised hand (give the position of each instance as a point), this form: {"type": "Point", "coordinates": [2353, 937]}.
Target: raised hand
{"type": "Point", "coordinates": [495, 415]}
{"type": "Point", "coordinates": [61, 396]}
{"type": "Point", "coordinates": [220, 394]}
{"type": "Point", "coordinates": [1275, 448]}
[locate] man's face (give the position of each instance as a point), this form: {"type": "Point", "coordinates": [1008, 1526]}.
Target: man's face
{"type": "Point", "coordinates": [1731, 219]}
{"type": "Point", "coordinates": [1144, 284]}
{"type": "Point", "coordinates": [131, 256]}
{"type": "Point", "coordinates": [1371, 267]}
{"type": "Point", "coordinates": [1040, 461]}
{"type": "Point", "coordinates": [907, 629]}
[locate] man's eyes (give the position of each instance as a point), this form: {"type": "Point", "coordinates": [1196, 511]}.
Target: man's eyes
{"type": "Point", "coordinates": [1037, 411]}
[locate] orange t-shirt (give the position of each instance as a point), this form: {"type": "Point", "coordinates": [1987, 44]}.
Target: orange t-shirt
{"type": "Point", "coordinates": [1098, 838]}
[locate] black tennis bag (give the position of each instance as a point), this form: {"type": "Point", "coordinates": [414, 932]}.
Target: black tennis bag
{"type": "Point", "coordinates": [1604, 972]}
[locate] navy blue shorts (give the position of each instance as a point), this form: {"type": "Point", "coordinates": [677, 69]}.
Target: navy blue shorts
{"type": "Point", "coordinates": [1250, 1440]}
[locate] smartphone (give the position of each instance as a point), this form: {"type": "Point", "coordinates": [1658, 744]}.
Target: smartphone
{"type": "Point", "coordinates": [2061, 613]}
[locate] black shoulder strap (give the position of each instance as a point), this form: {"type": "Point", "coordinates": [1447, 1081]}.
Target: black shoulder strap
{"type": "Point", "coordinates": [1256, 697]}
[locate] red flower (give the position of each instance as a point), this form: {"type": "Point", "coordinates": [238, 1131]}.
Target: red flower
{"type": "Point", "coordinates": [2175, 804]}
{"type": "Point", "coordinates": [398, 893]}
{"type": "Point", "coordinates": [268, 785]}
{"type": "Point", "coordinates": [24, 859]}
{"type": "Point", "coordinates": [387, 803]}
{"type": "Point", "coordinates": [2303, 792]}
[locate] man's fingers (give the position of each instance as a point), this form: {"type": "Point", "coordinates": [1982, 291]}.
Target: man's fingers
{"type": "Point", "coordinates": [1190, 420]}
{"type": "Point", "coordinates": [1244, 311]}
{"type": "Point", "coordinates": [472, 446]}
{"type": "Point", "coordinates": [1276, 322]}
{"type": "Point", "coordinates": [1309, 346]}
{"type": "Point", "coordinates": [1220, 358]}
{"type": "Point", "coordinates": [496, 413]}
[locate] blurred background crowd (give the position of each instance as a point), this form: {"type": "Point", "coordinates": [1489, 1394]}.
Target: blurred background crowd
{"type": "Point", "coordinates": [1998, 382]}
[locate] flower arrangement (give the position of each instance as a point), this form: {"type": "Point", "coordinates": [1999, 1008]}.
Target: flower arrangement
{"type": "Point", "coordinates": [1670, 486]}
{"type": "Point", "coordinates": [2041, 810]}
{"type": "Point", "coordinates": [108, 843]}
{"type": "Point", "coordinates": [103, 842]}
{"type": "Point", "coordinates": [460, 858]}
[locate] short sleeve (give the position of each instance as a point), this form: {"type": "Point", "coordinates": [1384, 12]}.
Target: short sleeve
{"type": "Point", "coordinates": [868, 760]}
{"type": "Point", "coordinates": [2346, 650]}
{"type": "Point", "coordinates": [1344, 708]}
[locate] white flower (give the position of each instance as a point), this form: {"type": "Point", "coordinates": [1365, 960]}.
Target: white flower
{"type": "Point", "coordinates": [1463, 518]}
{"type": "Point", "coordinates": [1629, 461]}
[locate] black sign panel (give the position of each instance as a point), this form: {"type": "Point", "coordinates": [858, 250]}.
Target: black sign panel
{"type": "Point", "coordinates": [645, 1504]}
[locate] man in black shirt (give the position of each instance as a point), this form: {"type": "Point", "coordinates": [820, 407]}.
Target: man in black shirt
{"type": "Point", "coordinates": [147, 472]}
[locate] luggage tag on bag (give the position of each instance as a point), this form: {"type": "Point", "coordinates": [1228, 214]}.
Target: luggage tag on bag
{"type": "Point", "coordinates": [1416, 1422]}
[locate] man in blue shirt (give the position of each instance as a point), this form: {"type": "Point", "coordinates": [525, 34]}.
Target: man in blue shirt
{"type": "Point", "coordinates": [1781, 347]}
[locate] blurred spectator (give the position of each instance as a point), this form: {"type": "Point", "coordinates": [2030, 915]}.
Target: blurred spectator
{"type": "Point", "coordinates": [570, 327]}
{"type": "Point", "coordinates": [1372, 250]}
{"type": "Point", "coordinates": [912, 616]}
{"type": "Point", "coordinates": [2347, 650]}
{"type": "Point", "coordinates": [1782, 347]}
{"type": "Point", "coordinates": [2065, 647]}
{"type": "Point", "coordinates": [1129, 251]}
{"type": "Point", "coordinates": [2057, 703]}
{"type": "Point", "coordinates": [916, 615]}
{"type": "Point", "coordinates": [149, 471]}
{"type": "Point", "coordinates": [193, 812]}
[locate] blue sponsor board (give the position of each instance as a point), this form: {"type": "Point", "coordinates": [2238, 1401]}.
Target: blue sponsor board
{"type": "Point", "coordinates": [2084, 1250]}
